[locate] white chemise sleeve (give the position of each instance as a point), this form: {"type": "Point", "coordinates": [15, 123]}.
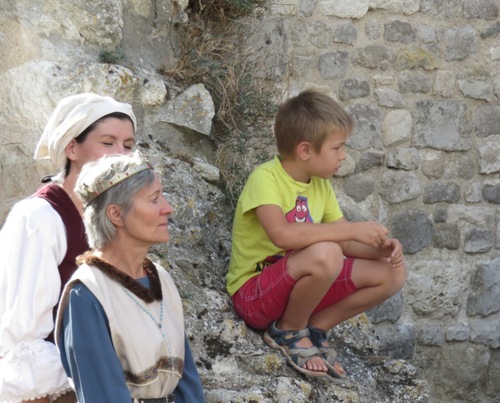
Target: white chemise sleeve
{"type": "Point", "coordinates": [32, 245]}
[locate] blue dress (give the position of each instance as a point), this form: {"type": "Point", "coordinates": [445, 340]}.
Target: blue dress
{"type": "Point", "coordinates": [89, 358]}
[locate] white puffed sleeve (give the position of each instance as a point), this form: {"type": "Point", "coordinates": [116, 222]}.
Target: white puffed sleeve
{"type": "Point", "coordinates": [32, 245]}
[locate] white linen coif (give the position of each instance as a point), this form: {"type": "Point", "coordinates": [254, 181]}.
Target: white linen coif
{"type": "Point", "coordinates": [71, 117]}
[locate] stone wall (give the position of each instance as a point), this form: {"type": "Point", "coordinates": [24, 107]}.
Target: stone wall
{"type": "Point", "coordinates": [422, 80]}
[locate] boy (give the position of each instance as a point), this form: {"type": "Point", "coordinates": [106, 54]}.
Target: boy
{"type": "Point", "coordinates": [298, 267]}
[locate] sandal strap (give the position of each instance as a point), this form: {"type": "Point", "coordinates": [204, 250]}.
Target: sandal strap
{"type": "Point", "coordinates": [318, 337]}
{"type": "Point", "coordinates": [287, 337]}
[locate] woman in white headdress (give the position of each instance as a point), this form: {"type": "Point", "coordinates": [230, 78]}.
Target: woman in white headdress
{"type": "Point", "coordinates": [120, 324]}
{"type": "Point", "coordinates": [40, 240]}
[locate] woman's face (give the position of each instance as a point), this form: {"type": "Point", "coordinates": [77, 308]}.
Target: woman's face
{"type": "Point", "coordinates": [110, 136]}
{"type": "Point", "coordinates": [146, 221]}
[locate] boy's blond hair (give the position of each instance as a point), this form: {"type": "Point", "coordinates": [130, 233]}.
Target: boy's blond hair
{"type": "Point", "coordinates": [310, 116]}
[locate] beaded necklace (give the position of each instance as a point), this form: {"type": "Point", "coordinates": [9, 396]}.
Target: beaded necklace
{"type": "Point", "coordinates": [158, 323]}
{"type": "Point", "coordinates": [135, 290]}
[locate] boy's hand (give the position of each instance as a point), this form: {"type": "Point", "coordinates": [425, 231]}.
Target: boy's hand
{"type": "Point", "coordinates": [370, 233]}
{"type": "Point", "coordinates": [393, 250]}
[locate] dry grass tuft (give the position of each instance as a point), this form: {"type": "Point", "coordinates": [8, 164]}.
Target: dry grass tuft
{"type": "Point", "coordinates": [213, 49]}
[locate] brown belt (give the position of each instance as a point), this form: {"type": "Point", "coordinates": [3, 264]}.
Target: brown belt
{"type": "Point", "coordinates": [168, 399]}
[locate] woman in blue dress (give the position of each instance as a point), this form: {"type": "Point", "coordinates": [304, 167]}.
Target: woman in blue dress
{"type": "Point", "coordinates": [120, 325]}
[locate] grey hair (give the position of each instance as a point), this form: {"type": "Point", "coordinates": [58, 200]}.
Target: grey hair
{"type": "Point", "coordinates": [98, 227]}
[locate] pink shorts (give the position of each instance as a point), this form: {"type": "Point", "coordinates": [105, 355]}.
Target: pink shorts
{"type": "Point", "coordinates": [263, 298]}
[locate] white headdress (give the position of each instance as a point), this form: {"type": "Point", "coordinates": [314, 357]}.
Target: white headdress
{"type": "Point", "coordinates": [71, 117]}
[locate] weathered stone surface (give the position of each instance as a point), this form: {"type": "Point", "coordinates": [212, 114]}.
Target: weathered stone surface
{"type": "Point", "coordinates": [398, 31]}
{"type": "Point", "coordinates": [397, 341]}
{"type": "Point", "coordinates": [389, 98]}
{"type": "Point", "coordinates": [485, 332]}
{"type": "Point", "coordinates": [476, 84]}
{"type": "Point", "coordinates": [485, 9]}
{"type": "Point", "coordinates": [460, 43]}
{"type": "Point", "coordinates": [486, 120]}
{"type": "Point", "coordinates": [478, 240]}
{"type": "Point", "coordinates": [359, 187]}
{"type": "Point", "coordinates": [431, 334]}
{"type": "Point", "coordinates": [373, 57]}
{"type": "Point", "coordinates": [284, 7]}
{"type": "Point", "coordinates": [306, 7]}
{"type": "Point", "coordinates": [390, 310]}
{"type": "Point", "coordinates": [484, 296]}
{"type": "Point", "coordinates": [443, 8]}
{"type": "Point", "coordinates": [489, 155]}
{"type": "Point", "coordinates": [366, 133]}
{"type": "Point", "coordinates": [413, 229]}
{"type": "Point", "coordinates": [440, 125]}
{"type": "Point", "coordinates": [440, 215]}
{"type": "Point", "coordinates": [463, 167]}
{"type": "Point", "coordinates": [354, 88]}
{"type": "Point", "coordinates": [396, 127]}
{"type": "Point", "coordinates": [403, 158]}
{"type": "Point", "coordinates": [345, 33]}
{"type": "Point", "coordinates": [333, 64]}
{"type": "Point", "coordinates": [458, 331]}
{"type": "Point", "coordinates": [435, 288]}
{"type": "Point", "coordinates": [317, 33]}
{"type": "Point", "coordinates": [406, 7]}
{"type": "Point", "coordinates": [370, 159]}
{"type": "Point", "coordinates": [351, 9]}
{"type": "Point", "coordinates": [479, 216]}
{"type": "Point", "coordinates": [446, 236]}
{"type": "Point", "coordinates": [426, 33]}
{"type": "Point", "coordinates": [450, 360]}
{"type": "Point", "coordinates": [206, 170]}
{"type": "Point", "coordinates": [414, 82]}
{"type": "Point", "coordinates": [373, 29]}
{"type": "Point", "coordinates": [491, 193]}
{"type": "Point", "coordinates": [473, 193]}
{"type": "Point", "coordinates": [433, 166]}
{"type": "Point", "coordinates": [300, 65]}
{"type": "Point", "coordinates": [492, 384]}
{"type": "Point", "coordinates": [440, 191]}
{"type": "Point", "coordinates": [444, 83]}
{"type": "Point", "coordinates": [193, 109]}
{"type": "Point", "coordinates": [347, 168]}
{"type": "Point", "coordinates": [398, 186]}
{"type": "Point", "coordinates": [409, 58]}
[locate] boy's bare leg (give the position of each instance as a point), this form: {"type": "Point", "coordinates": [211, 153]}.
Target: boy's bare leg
{"type": "Point", "coordinates": [376, 280]}
{"type": "Point", "coordinates": [315, 268]}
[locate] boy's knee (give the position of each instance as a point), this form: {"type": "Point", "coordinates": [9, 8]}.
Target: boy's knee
{"type": "Point", "coordinates": [327, 258]}
{"type": "Point", "coordinates": [396, 278]}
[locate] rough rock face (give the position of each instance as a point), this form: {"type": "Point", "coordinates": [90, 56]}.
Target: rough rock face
{"type": "Point", "coordinates": [235, 364]}
{"type": "Point", "coordinates": [421, 79]}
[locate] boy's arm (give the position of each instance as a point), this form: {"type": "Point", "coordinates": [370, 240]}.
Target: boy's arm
{"type": "Point", "coordinates": [288, 236]}
{"type": "Point", "coordinates": [365, 239]}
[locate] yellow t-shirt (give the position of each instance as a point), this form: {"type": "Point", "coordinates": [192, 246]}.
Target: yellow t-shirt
{"type": "Point", "coordinates": [301, 202]}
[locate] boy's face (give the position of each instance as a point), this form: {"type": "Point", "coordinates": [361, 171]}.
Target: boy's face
{"type": "Point", "coordinates": [328, 160]}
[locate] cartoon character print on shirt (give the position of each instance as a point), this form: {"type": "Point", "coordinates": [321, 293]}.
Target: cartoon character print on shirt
{"type": "Point", "coordinates": [300, 213]}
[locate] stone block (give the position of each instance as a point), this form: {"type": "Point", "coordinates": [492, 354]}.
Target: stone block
{"type": "Point", "coordinates": [441, 192]}
{"type": "Point", "coordinates": [413, 229]}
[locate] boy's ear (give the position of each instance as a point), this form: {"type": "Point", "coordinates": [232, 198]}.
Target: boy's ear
{"type": "Point", "coordinates": [304, 150]}
{"type": "Point", "coordinates": [114, 214]}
